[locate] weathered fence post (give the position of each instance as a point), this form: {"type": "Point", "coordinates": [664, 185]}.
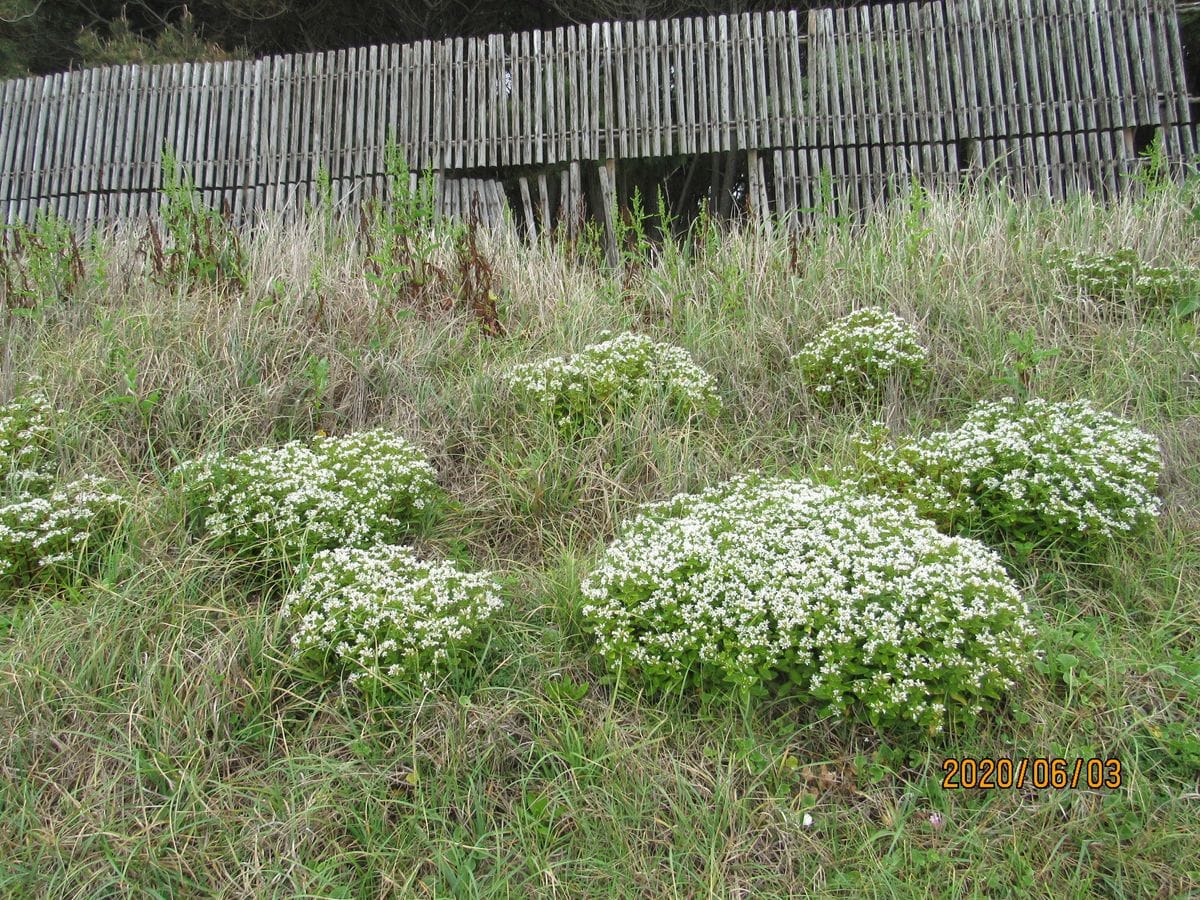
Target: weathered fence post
{"type": "Point", "coordinates": [527, 206]}
{"type": "Point", "coordinates": [544, 202]}
{"type": "Point", "coordinates": [575, 210]}
{"type": "Point", "coordinates": [607, 171]}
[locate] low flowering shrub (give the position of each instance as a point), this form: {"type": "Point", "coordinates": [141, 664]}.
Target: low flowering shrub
{"type": "Point", "coordinates": [43, 537]}
{"type": "Point", "coordinates": [626, 369]}
{"type": "Point", "coordinates": [355, 490]}
{"type": "Point", "coordinates": [1037, 473]}
{"type": "Point", "coordinates": [385, 614]}
{"type": "Point", "coordinates": [25, 444]}
{"type": "Point", "coordinates": [853, 598]}
{"type": "Point", "coordinates": [1123, 275]}
{"type": "Point", "coordinates": [858, 353]}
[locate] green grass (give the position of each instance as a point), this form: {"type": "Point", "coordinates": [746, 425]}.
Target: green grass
{"type": "Point", "coordinates": [158, 742]}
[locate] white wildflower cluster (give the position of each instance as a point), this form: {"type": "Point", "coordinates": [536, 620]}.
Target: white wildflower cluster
{"type": "Point", "coordinates": [45, 531]}
{"type": "Point", "coordinates": [1040, 473]}
{"type": "Point", "coordinates": [42, 535]}
{"type": "Point", "coordinates": [25, 443]}
{"type": "Point", "coordinates": [853, 598]}
{"type": "Point", "coordinates": [354, 490]}
{"type": "Point", "coordinates": [628, 368]}
{"type": "Point", "coordinates": [858, 353]}
{"type": "Point", "coordinates": [1122, 274]}
{"type": "Point", "coordinates": [386, 614]}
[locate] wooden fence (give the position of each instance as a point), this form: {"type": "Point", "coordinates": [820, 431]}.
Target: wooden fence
{"type": "Point", "coordinates": [1054, 97]}
{"type": "Point", "coordinates": [836, 106]}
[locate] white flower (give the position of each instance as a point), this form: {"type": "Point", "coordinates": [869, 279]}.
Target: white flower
{"type": "Point", "coordinates": [625, 368]}
{"type": "Point", "coordinates": [384, 612]}
{"type": "Point", "coordinates": [43, 533]}
{"type": "Point", "coordinates": [354, 490]}
{"type": "Point", "coordinates": [857, 353]}
{"type": "Point", "coordinates": [25, 443]}
{"type": "Point", "coordinates": [1038, 471]}
{"type": "Point", "coordinates": [852, 596]}
{"type": "Point", "coordinates": [1122, 273]}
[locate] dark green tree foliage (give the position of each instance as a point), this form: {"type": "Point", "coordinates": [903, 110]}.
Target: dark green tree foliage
{"type": "Point", "coordinates": [40, 36]}
{"type": "Point", "coordinates": [176, 42]}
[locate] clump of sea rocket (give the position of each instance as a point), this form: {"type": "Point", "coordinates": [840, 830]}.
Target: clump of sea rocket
{"type": "Point", "coordinates": [629, 368]}
{"type": "Point", "coordinates": [1041, 473]}
{"type": "Point", "coordinates": [46, 537]}
{"type": "Point", "coordinates": [856, 355]}
{"type": "Point", "coordinates": [384, 614]}
{"type": "Point", "coordinates": [854, 598]}
{"type": "Point", "coordinates": [351, 491]}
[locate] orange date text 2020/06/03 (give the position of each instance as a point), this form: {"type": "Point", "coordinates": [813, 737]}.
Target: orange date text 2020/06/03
{"type": "Point", "coordinates": [1040, 772]}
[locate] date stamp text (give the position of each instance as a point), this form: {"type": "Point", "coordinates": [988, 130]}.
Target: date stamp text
{"type": "Point", "coordinates": [1041, 772]}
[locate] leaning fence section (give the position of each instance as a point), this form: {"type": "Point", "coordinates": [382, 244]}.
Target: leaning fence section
{"type": "Point", "coordinates": [838, 107]}
{"type": "Point", "coordinates": [1048, 97]}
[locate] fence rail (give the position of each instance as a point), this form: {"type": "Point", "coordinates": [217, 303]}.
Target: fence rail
{"type": "Point", "coordinates": [1054, 94]}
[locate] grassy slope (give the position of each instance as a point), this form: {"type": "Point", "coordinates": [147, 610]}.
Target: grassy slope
{"type": "Point", "coordinates": [154, 742]}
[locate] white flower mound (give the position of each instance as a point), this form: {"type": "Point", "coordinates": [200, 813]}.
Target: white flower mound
{"type": "Point", "coordinates": [1122, 273]}
{"type": "Point", "coordinates": [1038, 472]}
{"type": "Point", "coordinates": [859, 351]}
{"type": "Point", "coordinates": [853, 597]}
{"type": "Point", "coordinates": [39, 534]}
{"type": "Point", "coordinates": [25, 440]}
{"type": "Point", "coordinates": [386, 614]}
{"type": "Point", "coordinates": [625, 368]}
{"type": "Point", "coordinates": [355, 490]}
